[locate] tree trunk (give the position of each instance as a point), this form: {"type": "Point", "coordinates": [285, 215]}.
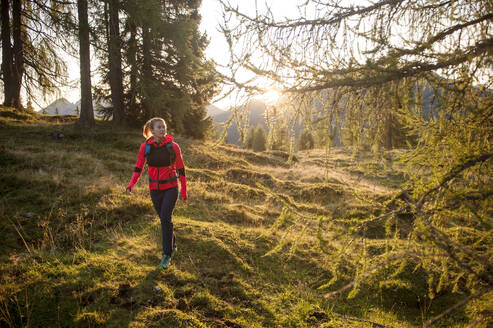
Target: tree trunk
{"type": "Point", "coordinates": [18, 65]}
{"type": "Point", "coordinates": [12, 56]}
{"type": "Point", "coordinates": [132, 60]}
{"type": "Point", "coordinates": [388, 131]}
{"type": "Point", "coordinates": [7, 55]}
{"type": "Point", "coordinates": [147, 69]}
{"type": "Point", "coordinates": [115, 62]}
{"type": "Point", "coordinates": [86, 110]}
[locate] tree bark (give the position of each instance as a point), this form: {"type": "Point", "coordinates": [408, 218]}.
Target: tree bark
{"type": "Point", "coordinates": [147, 68]}
{"type": "Point", "coordinates": [388, 131]}
{"type": "Point", "coordinates": [7, 55]}
{"type": "Point", "coordinates": [18, 49]}
{"type": "Point", "coordinates": [115, 63]}
{"type": "Point", "coordinates": [132, 60]}
{"type": "Point", "coordinates": [12, 56]}
{"type": "Point", "coordinates": [86, 110]}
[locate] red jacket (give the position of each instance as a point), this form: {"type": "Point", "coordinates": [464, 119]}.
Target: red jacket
{"type": "Point", "coordinates": [162, 170]}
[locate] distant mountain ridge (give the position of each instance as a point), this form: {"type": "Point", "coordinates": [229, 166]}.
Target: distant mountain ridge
{"type": "Point", "coordinates": [213, 110]}
{"type": "Point", "coordinates": [256, 111]}
{"type": "Point", "coordinates": [62, 106]}
{"type": "Point", "coordinates": [256, 115]}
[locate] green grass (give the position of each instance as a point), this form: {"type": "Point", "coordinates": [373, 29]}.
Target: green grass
{"type": "Point", "coordinates": [77, 252]}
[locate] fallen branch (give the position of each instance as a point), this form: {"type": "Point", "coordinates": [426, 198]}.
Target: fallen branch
{"type": "Point", "coordinates": [323, 316]}
{"type": "Point", "coordinates": [455, 306]}
{"type": "Point", "coordinates": [374, 324]}
{"type": "Point", "coordinates": [453, 174]}
{"type": "Point", "coordinates": [368, 273]}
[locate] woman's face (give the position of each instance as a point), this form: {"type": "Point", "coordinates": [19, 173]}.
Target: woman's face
{"type": "Point", "coordinates": [158, 129]}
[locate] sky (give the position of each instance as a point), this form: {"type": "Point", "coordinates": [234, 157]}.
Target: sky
{"type": "Point", "coordinates": [211, 12]}
{"type": "Point", "coordinates": [211, 18]}
{"type": "Point", "coordinates": [217, 50]}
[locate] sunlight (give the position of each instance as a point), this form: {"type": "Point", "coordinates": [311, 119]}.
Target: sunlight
{"type": "Point", "coordinates": [270, 96]}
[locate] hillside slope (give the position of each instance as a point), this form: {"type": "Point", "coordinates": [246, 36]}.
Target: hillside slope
{"type": "Point", "coordinates": [77, 251]}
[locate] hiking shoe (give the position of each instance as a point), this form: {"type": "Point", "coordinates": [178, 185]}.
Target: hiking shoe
{"type": "Point", "coordinates": [165, 261]}
{"type": "Point", "coordinates": [173, 252]}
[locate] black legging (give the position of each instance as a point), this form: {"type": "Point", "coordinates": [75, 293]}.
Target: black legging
{"type": "Point", "coordinates": [164, 203]}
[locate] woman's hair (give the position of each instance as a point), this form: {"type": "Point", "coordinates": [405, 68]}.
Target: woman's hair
{"type": "Point", "coordinates": [146, 131]}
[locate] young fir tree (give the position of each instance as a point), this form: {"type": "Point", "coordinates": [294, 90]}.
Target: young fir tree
{"type": "Point", "coordinates": [249, 138]}
{"type": "Point", "coordinates": [280, 136]}
{"type": "Point", "coordinates": [259, 139]}
{"type": "Point", "coordinates": [306, 140]}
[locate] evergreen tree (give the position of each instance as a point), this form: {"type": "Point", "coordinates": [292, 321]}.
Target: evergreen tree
{"type": "Point", "coordinates": [306, 140]}
{"type": "Point", "coordinates": [168, 75]}
{"type": "Point", "coordinates": [280, 136]}
{"type": "Point", "coordinates": [249, 138]}
{"type": "Point", "coordinates": [259, 139]}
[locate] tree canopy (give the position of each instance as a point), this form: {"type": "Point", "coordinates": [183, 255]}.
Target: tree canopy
{"type": "Point", "coordinates": [361, 45]}
{"type": "Point", "coordinates": [31, 50]}
{"type": "Point", "coordinates": [150, 55]}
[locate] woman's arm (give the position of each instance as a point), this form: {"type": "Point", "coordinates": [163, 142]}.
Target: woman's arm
{"type": "Point", "coordinates": [180, 168]}
{"type": "Point", "coordinates": [139, 165]}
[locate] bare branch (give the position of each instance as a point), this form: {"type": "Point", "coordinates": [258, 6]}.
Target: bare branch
{"type": "Point", "coordinates": [455, 306]}
{"type": "Point", "coordinates": [316, 22]}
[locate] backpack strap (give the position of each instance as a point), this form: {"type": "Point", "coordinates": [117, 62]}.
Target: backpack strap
{"type": "Point", "coordinates": [147, 150]}
{"type": "Point", "coordinates": [171, 150]}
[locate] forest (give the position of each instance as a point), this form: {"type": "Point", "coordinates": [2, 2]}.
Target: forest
{"type": "Point", "coordinates": [150, 56]}
{"type": "Point", "coordinates": [364, 199]}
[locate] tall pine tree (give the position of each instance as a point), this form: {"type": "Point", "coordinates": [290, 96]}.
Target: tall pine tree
{"type": "Point", "coordinates": [167, 74]}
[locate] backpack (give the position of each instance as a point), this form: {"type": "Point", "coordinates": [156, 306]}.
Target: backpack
{"type": "Point", "coordinates": [172, 157]}
{"type": "Point", "coordinates": [169, 147]}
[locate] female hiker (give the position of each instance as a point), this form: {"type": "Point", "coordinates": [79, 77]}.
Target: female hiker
{"type": "Point", "coordinates": [164, 162]}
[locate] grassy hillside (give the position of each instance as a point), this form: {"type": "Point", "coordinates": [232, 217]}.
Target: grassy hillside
{"type": "Point", "coordinates": [256, 239]}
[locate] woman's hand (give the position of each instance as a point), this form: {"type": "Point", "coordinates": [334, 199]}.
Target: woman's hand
{"type": "Point", "coordinates": [183, 194]}
{"type": "Point", "coordinates": [128, 191]}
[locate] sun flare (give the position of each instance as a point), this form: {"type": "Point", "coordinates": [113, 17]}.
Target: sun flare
{"type": "Point", "coordinates": [271, 96]}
